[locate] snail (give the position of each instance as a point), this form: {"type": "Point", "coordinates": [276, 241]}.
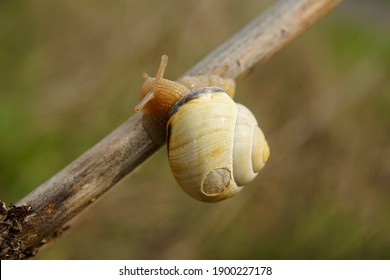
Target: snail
{"type": "Point", "coordinates": [215, 145]}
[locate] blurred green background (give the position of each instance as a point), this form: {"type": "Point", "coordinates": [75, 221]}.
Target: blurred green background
{"type": "Point", "coordinates": [70, 72]}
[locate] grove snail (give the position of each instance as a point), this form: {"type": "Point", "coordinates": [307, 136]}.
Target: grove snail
{"type": "Point", "coordinates": [215, 145]}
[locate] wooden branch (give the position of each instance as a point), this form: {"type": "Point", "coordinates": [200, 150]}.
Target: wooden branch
{"type": "Point", "coordinates": [80, 183]}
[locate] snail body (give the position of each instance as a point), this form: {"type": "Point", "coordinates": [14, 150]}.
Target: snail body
{"type": "Point", "coordinates": [214, 145]}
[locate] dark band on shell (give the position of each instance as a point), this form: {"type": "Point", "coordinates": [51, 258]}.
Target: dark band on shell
{"type": "Point", "coordinates": [192, 95]}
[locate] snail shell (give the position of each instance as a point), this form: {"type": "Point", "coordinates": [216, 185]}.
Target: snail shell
{"type": "Point", "coordinates": [214, 145]}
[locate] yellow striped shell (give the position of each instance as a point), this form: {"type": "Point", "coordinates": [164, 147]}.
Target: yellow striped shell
{"type": "Point", "coordinates": [214, 145]}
